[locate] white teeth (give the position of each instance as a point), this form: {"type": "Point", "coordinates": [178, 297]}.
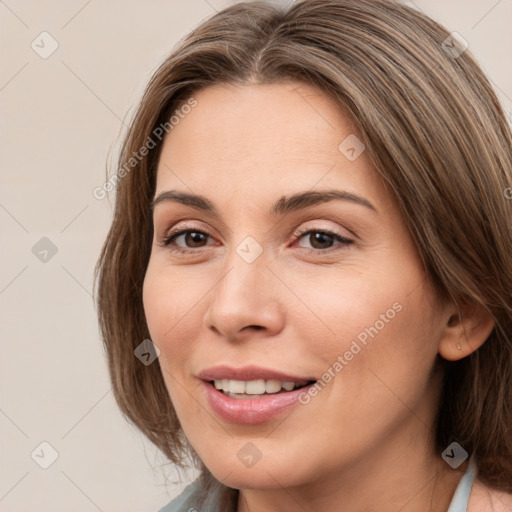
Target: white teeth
{"type": "Point", "coordinates": [288, 385]}
{"type": "Point", "coordinates": [253, 387]}
{"type": "Point", "coordinates": [272, 386]}
{"type": "Point", "coordinates": [237, 386]}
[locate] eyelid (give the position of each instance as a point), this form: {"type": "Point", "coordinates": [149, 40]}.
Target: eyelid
{"type": "Point", "coordinates": [178, 230]}
{"type": "Point", "coordinates": [341, 226]}
{"type": "Point", "coordinates": [315, 227]}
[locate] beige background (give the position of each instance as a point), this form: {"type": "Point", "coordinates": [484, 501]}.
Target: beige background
{"type": "Point", "coordinates": [60, 121]}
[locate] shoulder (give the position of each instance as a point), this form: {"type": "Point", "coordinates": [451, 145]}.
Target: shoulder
{"type": "Point", "coordinates": [487, 499]}
{"type": "Point", "coordinates": [186, 501]}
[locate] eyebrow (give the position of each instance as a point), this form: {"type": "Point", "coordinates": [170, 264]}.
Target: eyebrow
{"type": "Point", "coordinates": [282, 206]}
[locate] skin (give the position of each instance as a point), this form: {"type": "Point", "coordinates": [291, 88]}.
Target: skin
{"type": "Point", "coordinates": [364, 442]}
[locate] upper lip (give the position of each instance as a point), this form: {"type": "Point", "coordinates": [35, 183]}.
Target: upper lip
{"type": "Point", "coordinates": [250, 373]}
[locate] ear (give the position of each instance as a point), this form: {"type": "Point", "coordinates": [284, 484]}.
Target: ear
{"type": "Point", "coordinates": [467, 328]}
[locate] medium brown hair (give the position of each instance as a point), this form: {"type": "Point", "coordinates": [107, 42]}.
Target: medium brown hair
{"type": "Point", "coordinates": [433, 128]}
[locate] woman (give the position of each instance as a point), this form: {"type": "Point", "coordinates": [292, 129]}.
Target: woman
{"type": "Point", "coordinates": [312, 232]}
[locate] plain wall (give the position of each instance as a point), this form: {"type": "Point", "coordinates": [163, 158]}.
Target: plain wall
{"type": "Point", "coordinates": [60, 121]}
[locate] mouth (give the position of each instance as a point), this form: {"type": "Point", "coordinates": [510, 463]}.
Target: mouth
{"type": "Point", "coordinates": [249, 402]}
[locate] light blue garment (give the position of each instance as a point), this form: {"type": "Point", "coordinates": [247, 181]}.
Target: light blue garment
{"type": "Point", "coordinates": [460, 499]}
{"type": "Point", "coordinates": [187, 500]}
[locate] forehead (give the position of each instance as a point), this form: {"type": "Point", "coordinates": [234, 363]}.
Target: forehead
{"type": "Point", "coordinates": [260, 141]}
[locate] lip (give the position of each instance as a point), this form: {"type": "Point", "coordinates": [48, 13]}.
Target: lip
{"type": "Point", "coordinates": [249, 411]}
{"type": "Point", "coordinates": [250, 373]}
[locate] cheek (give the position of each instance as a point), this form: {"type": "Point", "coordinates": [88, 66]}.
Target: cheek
{"type": "Point", "coordinates": [337, 307]}
{"type": "Point", "coordinates": [168, 307]}
{"type": "Point", "coordinates": [172, 324]}
{"type": "Point", "coordinates": [388, 349]}
{"type": "Point", "coordinates": [377, 320]}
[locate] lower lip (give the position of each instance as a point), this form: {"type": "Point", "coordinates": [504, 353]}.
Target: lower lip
{"type": "Point", "coordinates": [249, 411]}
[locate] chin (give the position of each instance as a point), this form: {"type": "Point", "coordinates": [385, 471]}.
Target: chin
{"type": "Point", "coordinates": [256, 480]}
{"type": "Point", "coordinates": [263, 475]}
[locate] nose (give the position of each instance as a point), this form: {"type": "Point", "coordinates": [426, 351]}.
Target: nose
{"type": "Point", "coordinates": [246, 299]}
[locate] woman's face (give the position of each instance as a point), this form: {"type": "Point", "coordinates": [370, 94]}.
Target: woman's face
{"type": "Point", "coordinates": [327, 288]}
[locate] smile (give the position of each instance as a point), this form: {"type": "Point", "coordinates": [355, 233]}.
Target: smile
{"type": "Point", "coordinates": [251, 408]}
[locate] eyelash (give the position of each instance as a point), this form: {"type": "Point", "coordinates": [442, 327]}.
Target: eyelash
{"type": "Point", "coordinates": [170, 237]}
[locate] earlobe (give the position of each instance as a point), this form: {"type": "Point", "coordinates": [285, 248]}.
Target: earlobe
{"type": "Point", "coordinates": [466, 329]}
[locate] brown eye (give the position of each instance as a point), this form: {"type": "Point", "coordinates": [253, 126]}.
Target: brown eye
{"type": "Point", "coordinates": [322, 240]}
{"type": "Point", "coordinates": [192, 238]}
